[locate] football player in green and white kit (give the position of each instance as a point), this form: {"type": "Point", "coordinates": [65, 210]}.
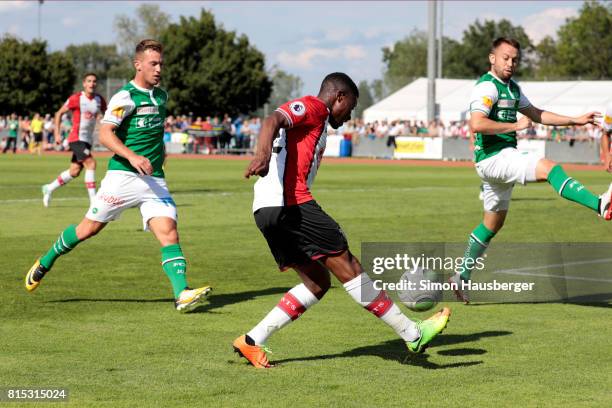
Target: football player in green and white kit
{"type": "Point", "coordinates": [495, 102]}
{"type": "Point", "coordinates": [133, 128]}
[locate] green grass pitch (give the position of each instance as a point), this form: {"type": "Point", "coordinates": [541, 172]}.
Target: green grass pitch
{"type": "Point", "coordinates": [102, 323]}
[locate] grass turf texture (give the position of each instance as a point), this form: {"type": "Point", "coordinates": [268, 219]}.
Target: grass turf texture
{"type": "Point", "coordinates": [103, 324]}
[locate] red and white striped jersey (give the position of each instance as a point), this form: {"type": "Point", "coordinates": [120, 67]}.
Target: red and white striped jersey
{"type": "Point", "coordinates": [296, 155]}
{"type": "Point", "coordinates": [84, 113]}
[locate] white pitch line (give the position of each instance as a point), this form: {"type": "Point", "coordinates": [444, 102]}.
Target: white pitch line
{"type": "Point", "coordinates": [523, 271]}
{"type": "Point", "coordinates": [230, 193]}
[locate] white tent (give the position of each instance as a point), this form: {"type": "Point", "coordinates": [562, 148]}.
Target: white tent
{"type": "Point", "coordinates": [564, 97]}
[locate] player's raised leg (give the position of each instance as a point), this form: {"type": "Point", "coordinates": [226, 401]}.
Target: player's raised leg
{"type": "Point", "coordinates": [174, 264]}
{"type": "Point", "coordinates": [62, 179]}
{"type": "Point", "coordinates": [572, 190]}
{"type": "Point", "coordinates": [66, 242]}
{"type": "Point", "coordinates": [357, 283]}
{"type": "Point", "coordinates": [294, 303]}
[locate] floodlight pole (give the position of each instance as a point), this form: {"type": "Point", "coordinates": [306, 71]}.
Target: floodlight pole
{"type": "Point", "coordinates": [40, 3]}
{"type": "Point", "coordinates": [431, 61]}
{"type": "Point", "coordinates": [440, 37]}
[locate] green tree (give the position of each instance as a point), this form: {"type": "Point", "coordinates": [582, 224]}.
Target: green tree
{"type": "Point", "coordinates": [405, 61]}
{"type": "Point", "coordinates": [365, 99]}
{"type": "Point", "coordinates": [103, 60]}
{"type": "Point", "coordinates": [476, 42]}
{"type": "Point", "coordinates": [150, 22]}
{"type": "Point", "coordinates": [584, 47]}
{"type": "Point", "coordinates": [285, 87]}
{"type": "Point", "coordinates": [32, 80]}
{"type": "Point", "coordinates": [209, 70]}
{"type": "Point", "coordinates": [548, 65]}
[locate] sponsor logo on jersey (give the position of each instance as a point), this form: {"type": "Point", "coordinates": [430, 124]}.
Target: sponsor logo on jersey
{"type": "Point", "coordinates": [506, 103]}
{"type": "Point", "coordinates": [149, 122]}
{"type": "Point", "coordinates": [118, 112]}
{"type": "Point", "coordinates": [297, 108]}
{"type": "Point", "coordinates": [147, 110]}
{"type": "Point", "coordinates": [486, 101]}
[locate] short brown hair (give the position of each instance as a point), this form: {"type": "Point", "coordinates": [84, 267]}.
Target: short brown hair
{"type": "Point", "coordinates": [505, 40]}
{"type": "Point", "coordinates": [89, 74]}
{"type": "Point", "coordinates": [149, 45]}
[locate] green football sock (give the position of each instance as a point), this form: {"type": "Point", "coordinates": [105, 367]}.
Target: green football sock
{"type": "Point", "coordinates": [64, 244]}
{"type": "Point", "coordinates": [571, 189]}
{"type": "Point", "coordinates": [175, 266]}
{"type": "Point", "coordinates": [477, 245]}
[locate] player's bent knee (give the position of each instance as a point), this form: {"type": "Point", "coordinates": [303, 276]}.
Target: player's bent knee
{"type": "Point", "coordinates": [75, 171]}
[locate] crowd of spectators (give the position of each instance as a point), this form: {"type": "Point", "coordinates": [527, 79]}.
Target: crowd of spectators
{"type": "Point", "coordinates": [32, 134]}
{"type": "Point", "coordinates": [357, 128]}
{"type": "Point", "coordinates": [239, 135]}
{"type": "Point", "coordinates": [213, 134]}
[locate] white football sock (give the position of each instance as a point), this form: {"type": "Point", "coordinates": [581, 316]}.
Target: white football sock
{"type": "Point", "coordinates": [90, 183]}
{"type": "Point", "coordinates": [62, 179]}
{"type": "Point", "coordinates": [291, 306]}
{"type": "Point", "coordinates": [362, 290]}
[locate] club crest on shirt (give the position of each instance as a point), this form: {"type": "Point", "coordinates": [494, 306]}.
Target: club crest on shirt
{"type": "Point", "coordinates": [297, 108]}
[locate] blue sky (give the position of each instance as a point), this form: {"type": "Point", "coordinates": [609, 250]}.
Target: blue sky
{"type": "Point", "coordinates": [308, 39]}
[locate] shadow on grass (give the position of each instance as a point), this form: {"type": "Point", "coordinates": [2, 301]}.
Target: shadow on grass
{"type": "Point", "coordinates": [395, 350]}
{"type": "Point", "coordinates": [166, 300]}
{"type": "Point", "coordinates": [213, 302]}
{"type": "Point", "coordinates": [219, 301]}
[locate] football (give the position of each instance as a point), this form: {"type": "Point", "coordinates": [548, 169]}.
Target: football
{"type": "Point", "coordinates": [415, 292]}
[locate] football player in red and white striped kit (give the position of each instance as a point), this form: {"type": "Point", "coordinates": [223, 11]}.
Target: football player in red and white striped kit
{"type": "Point", "coordinates": [300, 234]}
{"type": "Point", "coordinates": [86, 106]}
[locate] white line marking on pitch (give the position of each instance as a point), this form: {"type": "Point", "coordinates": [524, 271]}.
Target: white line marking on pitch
{"type": "Point", "coordinates": [523, 271]}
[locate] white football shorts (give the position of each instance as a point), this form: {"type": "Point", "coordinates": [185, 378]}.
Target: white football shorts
{"type": "Point", "coordinates": [499, 173]}
{"type": "Point", "coordinates": [121, 190]}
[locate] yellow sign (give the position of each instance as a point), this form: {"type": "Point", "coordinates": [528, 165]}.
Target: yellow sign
{"type": "Point", "coordinates": [410, 146]}
{"type": "Point", "coordinates": [608, 120]}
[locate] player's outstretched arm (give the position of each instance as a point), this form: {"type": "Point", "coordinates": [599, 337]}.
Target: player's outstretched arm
{"type": "Point", "coordinates": [269, 129]}
{"type": "Point", "coordinates": [57, 119]}
{"type": "Point", "coordinates": [480, 123]}
{"type": "Point", "coordinates": [554, 119]}
{"type": "Point", "coordinates": [109, 140]}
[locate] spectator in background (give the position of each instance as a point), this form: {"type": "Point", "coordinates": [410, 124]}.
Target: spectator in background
{"type": "Point", "coordinates": [246, 134]}
{"type": "Point", "coordinates": [217, 130]}
{"type": "Point", "coordinates": [13, 129]}
{"type": "Point", "coordinates": [226, 132]}
{"type": "Point", "coordinates": [36, 126]}
{"type": "Point", "coordinates": [48, 132]}
{"type": "Point", "coordinates": [198, 138]}
{"type": "Point", "coordinates": [24, 126]}
{"type": "Point", "coordinates": [238, 136]}
{"type": "Point", "coordinates": [382, 130]}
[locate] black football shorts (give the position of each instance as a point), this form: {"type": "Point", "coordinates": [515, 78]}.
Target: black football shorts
{"type": "Point", "coordinates": [299, 234]}
{"type": "Point", "coordinates": [80, 151]}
